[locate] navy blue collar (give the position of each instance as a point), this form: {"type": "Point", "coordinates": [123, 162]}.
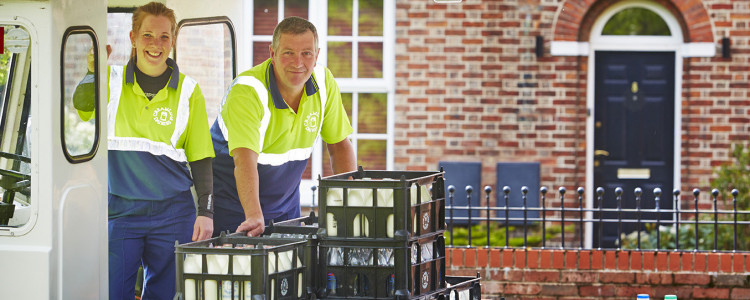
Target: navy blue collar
{"type": "Point", "coordinates": [174, 79]}
{"type": "Point", "coordinates": [311, 87]}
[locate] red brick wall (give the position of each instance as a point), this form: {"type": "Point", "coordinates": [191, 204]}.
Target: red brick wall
{"type": "Point", "coordinates": [592, 274]}
{"type": "Point", "coordinates": [469, 87]}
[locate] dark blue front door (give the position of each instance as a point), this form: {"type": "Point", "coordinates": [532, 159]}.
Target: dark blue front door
{"type": "Point", "coordinates": [633, 133]}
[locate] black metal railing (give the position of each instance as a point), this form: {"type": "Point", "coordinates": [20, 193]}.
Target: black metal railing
{"type": "Point", "coordinates": [549, 216]}
{"type": "Point", "coordinates": [597, 217]}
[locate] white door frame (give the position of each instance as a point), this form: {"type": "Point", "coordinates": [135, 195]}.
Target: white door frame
{"type": "Point", "coordinates": [673, 43]}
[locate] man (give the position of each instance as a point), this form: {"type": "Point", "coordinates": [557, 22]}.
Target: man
{"type": "Point", "coordinates": [270, 118]}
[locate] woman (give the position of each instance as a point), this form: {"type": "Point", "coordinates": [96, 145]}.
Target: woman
{"type": "Point", "coordinates": [156, 124]}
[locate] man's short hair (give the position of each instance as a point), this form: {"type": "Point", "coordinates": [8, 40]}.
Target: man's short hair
{"type": "Point", "coordinates": [293, 25]}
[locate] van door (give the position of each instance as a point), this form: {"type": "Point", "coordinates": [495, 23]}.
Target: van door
{"type": "Point", "coordinates": [53, 163]}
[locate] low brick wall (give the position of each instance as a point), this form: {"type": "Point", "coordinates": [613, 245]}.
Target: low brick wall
{"type": "Point", "coordinates": [594, 274]}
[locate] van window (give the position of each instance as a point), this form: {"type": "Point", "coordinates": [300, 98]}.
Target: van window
{"type": "Point", "coordinates": [80, 94]}
{"type": "Point", "coordinates": [15, 117]}
{"type": "Point", "coordinates": [205, 52]}
{"type": "Point", "coordinates": [119, 25]}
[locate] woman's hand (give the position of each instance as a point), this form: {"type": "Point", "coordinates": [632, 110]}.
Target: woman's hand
{"type": "Point", "coordinates": [203, 228]}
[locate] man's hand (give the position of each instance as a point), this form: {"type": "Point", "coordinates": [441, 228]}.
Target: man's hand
{"type": "Point", "coordinates": [254, 225]}
{"type": "Point", "coordinates": [246, 176]}
{"type": "Point", "coordinates": [203, 228]}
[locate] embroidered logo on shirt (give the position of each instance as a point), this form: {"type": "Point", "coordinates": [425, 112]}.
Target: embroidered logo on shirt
{"type": "Point", "coordinates": [311, 122]}
{"type": "Point", "coordinates": [163, 116]}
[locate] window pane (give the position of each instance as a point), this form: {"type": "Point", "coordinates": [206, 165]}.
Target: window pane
{"type": "Point", "coordinates": [296, 8]}
{"type": "Point", "coordinates": [340, 59]}
{"type": "Point", "coordinates": [371, 154]}
{"type": "Point", "coordinates": [373, 109]}
{"type": "Point", "coordinates": [346, 100]}
{"type": "Point", "coordinates": [265, 16]}
{"type": "Point", "coordinates": [370, 63]}
{"type": "Point", "coordinates": [118, 37]}
{"type": "Point", "coordinates": [80, 94]}
{"type": "Point", "coordinates": [636, 21]}
{"type": "Point", "coordinates": [204, 52]}
{"type": "Point", "coordinates": [370, 17]}
{"type": "Point", "coordinates": [15, 128]}
{"type": "Point", "coordinates": [340, 18]}
{"type": "Point", "coordinates": [261, 52]}
{"type": "Point", "coordinates": [4, 70]}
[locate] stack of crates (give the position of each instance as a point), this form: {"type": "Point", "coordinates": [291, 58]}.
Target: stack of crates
{"type": "Point", "coordinates": [381, 235]}
{"type": "Point", "coordinates": [277, 265]}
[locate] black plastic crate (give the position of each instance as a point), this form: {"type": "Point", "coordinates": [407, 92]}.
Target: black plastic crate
{"type": "Point", "coordinates": [309, 220]}
{"type": "Point", "coordinates": [381, 204]}
{"type": "Point", "coordinates": [462, 288]}
{"type": "Point", "coordinates": [240, 267]}
{"type": "Point", "coordinates": [294, 228]}
{"type": "Point", "coordinates": [381, 269]}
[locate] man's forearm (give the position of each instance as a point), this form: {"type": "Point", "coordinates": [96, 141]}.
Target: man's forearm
{"type": "Point", "coordinates": [343, 158]}
{"type": "Point", "coordinates": [246, 176]}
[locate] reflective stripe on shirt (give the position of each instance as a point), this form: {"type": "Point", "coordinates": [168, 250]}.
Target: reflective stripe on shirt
{"type": "Point", "coordinates": [275, 159]}
{"type": "Point", "coordinates": [260, 89]}
{"type": "Point", "coordinates": [143, 144]}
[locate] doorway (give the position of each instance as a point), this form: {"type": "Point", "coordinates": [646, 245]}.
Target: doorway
{"type": "Point", "coordinates": [633, 96]}
{"type": "Point", "coordinates": [633, 133]}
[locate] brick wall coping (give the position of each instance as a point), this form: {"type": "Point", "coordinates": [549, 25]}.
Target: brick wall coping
{"type": "Point", "coordinates": [603, 274]}
{"type": "Point", "coordinates": [627, 260]}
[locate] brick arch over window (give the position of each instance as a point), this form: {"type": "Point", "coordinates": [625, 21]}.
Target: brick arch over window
{"type": "Point", "coordinates": [575, 19]}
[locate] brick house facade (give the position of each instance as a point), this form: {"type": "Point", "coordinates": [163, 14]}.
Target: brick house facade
{"type": "Point", "coordinates": [469, 86]}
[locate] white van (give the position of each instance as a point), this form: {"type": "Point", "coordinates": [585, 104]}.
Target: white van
{"type": "Point", "coordinates": [53, 165]}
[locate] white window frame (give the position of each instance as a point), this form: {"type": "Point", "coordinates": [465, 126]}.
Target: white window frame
{"type": "Point", "coordinates": [17, 91]}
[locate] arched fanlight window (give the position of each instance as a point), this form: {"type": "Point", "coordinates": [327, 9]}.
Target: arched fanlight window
{"type": "Point", "coordinates": [636, 21]}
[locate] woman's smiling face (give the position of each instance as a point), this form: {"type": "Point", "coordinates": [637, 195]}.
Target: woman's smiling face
{"type": "Point", "coordinates": [153, 42]}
